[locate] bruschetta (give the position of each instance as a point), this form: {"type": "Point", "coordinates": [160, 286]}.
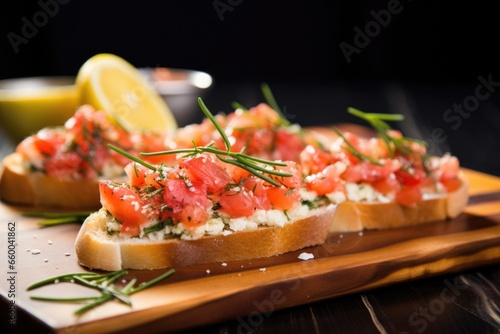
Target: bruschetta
{"type": "Point", "coordinates": [219, 204]}
{"type": "Point", "coordinates": [60, 167]}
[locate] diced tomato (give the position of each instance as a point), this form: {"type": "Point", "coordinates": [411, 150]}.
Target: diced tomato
{"type": "Point", "coordinates": [256, 186]}
{"type": "Point", "coordinates": [413, 178]}
{"type": "Point", "coordinates": [255, 141]}
{"type": "Point", "coordinates": [45, 146]}
{"type": "Point", "coordinates": [178, 195]}
{"type": "Point", "coordinates": [237, 203]}
{"type": "Point", "coordinates": [124, 204]}
{"type": "Point", "coordinates": [193, 215]}
{"type": "Point", "coordinates": [328, 180]}
{"type": "Point", "coordinates": [409, 196]}
{"type": "Point", "coordinates": [135, 173]}
{"type": "Point", "coordinates": [267, 116]}
{"type": "Point", "coordinates": [242, 119]}
{"type": "Point", "coordinates": [449, 168]}
{"type": "Point", "coordinates": [451, 185]}
{"type": "Point", "coordinates": [366, 171]}
{"type": "Point", "coordinates": [237, 173]}
{"type": "Point", "coordinates": [282, 198]}
{"type": "Point", "coordinates": [387, 185]}
{"type": "Point", "coordinates": [293, 181]}
{"type": "Point", "coordinates": [202, 168]}
{"type": "Point", "coordinates": [288, 145]}
{"type": "Point", "coordinates": [323, 185]}
{"type": "Point", "coordinates": [313, 159]}
{"type": "Point", "coordinates": [64, 164]}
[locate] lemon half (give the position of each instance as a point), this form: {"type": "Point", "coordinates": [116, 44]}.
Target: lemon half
{"type": "Point", "coordinates": [110, 83]}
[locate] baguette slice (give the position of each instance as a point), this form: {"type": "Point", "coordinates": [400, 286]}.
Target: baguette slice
{"type": "Point", "coordinates": [356, 216]}
{"type": "Point", "coordinates": [21, 187]}
{"type": "Point", "coordinates": [96, 249]}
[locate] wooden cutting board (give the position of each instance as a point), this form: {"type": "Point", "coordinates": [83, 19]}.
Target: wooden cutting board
{"type": "Point", "coordinates": [247, 290]}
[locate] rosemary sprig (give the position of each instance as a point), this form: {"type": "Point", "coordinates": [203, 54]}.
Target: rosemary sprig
{"type": "Point", "coordinates": [379, 122]}
{"type": "Point", "coordinates": [237, 105]}
{"type": "Point", "coordinates": [354, 151]}
{"type": "Point", "coordinates": [269, 97]}
{"type": "Point", "coordinates": [101, 282]}
{"type": "Point", "coordinates": [257, 166]}
{"type": "Point", "coordinates": [58, 218]}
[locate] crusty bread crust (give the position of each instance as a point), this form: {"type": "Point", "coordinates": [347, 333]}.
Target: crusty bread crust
{"type": "Point", "coordinates": [355, 216]}
{"type": "Point", "coordinates": [96, 249]}
{"type": "Point", "coordinates": [21, 187]}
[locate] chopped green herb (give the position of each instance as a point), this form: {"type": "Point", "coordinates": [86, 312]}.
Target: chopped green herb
{"type": "Point", "coordinates": [158, 226]}
{"type": "Point", "coordinates": [101, 282]}
{"type": "Point", "coordinates": [58, 218]}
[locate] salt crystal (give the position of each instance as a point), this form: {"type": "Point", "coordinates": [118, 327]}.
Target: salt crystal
{"type": "Point", "coordinates": [208, 271]}
{"type": "Point", "coordinates": [224, 264]}
{"type": "Point", "coordinates": [35, 251]}
{"type": "Point", "coordinates": [50, 242]}
{"type": "Point", "coordinates": [306, 256]}
{"type": "Point", "coordinates": [262, 269]}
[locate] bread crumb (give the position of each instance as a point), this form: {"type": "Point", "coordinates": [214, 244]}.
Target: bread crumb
{"type": "Point", "coordinates": [306, 256]}
{"type": "Point", "coordinates": [35, 251]}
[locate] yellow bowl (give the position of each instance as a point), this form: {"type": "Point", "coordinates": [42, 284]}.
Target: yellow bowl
{"type": "Point", "coordinates": [30, 104]}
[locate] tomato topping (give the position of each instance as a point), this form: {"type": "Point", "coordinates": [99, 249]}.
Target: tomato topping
{"type": "Point", "coordinates": [256, 186]}
{"type": "Point", "coordinates": [265, 114]}
{"type": "Point", "coordinates": [449, 168]}
{"type": "Point", "coordinates": [124, 204]}
{"type": "Point", "coordinates": [410, 178]}
{"type": "Point", "coordinates": [64, 164]}
{"type": "Point", "coordinates": [313, 159]}
{"type": "Point", "coordinates": [237, 173]}
{"type": "Point", "coordinates": [178, 194]}
{"type": "Point", "coordinates": [366, 171]}
{"type": "Point", "coordinates": [202, 168]}
{"type": "Point", "coordinates": [136, 174]}
{"type": "Point", "coordinates": [288, 145]}
{"type": "Point", "coordinates": [452, 184]}
{"type": "Point", "coordinates": [292, 168]}
{"type": "Point", "coordinates": [409, 196]}
{"type": "Point", "coordinates": [387, 185]}
{"type": "Point", "coordinates": [328, 180]}
{"type": "Point", "coordinates": [282, 198]}
{"type": "Point", "coordinates": [194, 215]}
{"type": "Point", "coordinates": [238, 203]}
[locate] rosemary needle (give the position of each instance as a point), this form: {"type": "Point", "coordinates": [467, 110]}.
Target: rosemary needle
{"type": "Point", "coordinates": [252, 164]}
{"type": "Point", "coordinates": [58, 218]}
{"type": "Point", "coordinates": [101, 282]}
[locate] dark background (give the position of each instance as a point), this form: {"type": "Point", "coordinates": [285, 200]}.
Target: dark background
{"type": "Point", "coordinates": [427, 58]}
